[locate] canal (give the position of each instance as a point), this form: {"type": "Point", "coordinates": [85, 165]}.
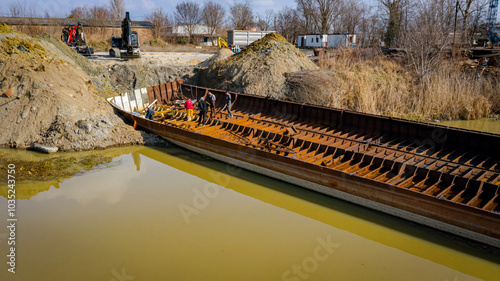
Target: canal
{"type": "Point", "coordinates": [169, 214]}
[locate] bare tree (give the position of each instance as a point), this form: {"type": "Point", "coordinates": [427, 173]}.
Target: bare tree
{"type": "Point", "coordinates": [33, 28]}
{"type": "Point", "coordinates": [287, 24]}
{"type": "Point", "coordinates": [99, 13]}
{"type": "Point", "coordinates": [242, 16]}
{"type": "Point", "coordinates": [266, 21]}
{"type": "Point", "coordinates": [472, 15]}
{"type": "Point", "coordinates": [464, 6]}
{"type": "Point", "coordinates": [187, 13]}
{"type": "Point", "coordinates": [395, 12]}
{"type": "Point", "coordinates": [97, 17]}
{"type": "Point", "coordinates": [426, 39]}
{"type": "Point", "coordinates": [306, 9]}
{"type": "Point", "coordinates": [117, 9]}
{"type": "Point", "coordinates": [17, 9]}
{"type": "Point", "coordinates": [370, 30]}
{"type": "Point", "coordinates": [327, 12]}
{"type": "Point", "coordinates": [160, 20]}
{"type": "Point", "coordinates": [213, 16]}
{"type": "Point", "coordinates": [350, 18]}
{"type": "Point", "coordinates": [80, 13]}
{"type": "Point", "coordinates": [477, 16]}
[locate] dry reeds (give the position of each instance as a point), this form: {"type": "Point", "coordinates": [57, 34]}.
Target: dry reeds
{"type": "Point", "coordinates": [375, 84]}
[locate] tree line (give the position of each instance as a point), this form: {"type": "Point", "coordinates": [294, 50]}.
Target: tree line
{"type": "Point", "coordinates": [396, 23]}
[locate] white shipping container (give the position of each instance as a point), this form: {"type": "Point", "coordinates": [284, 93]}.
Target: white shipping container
{"type": "Point", "coordinates": [244, 37]}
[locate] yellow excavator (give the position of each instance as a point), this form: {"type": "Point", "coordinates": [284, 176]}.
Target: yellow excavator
{"type": "Point", "coordinates": [221, 42]}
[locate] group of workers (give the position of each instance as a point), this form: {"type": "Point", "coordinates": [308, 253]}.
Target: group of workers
{"type": "Point", "coordinates": [204, 105]}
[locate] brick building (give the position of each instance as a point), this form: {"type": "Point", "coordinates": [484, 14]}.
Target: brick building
{"type": "Point", "coordinates": [96, 30]}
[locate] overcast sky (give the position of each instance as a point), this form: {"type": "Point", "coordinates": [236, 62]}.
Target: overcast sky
{"type": "Point", "coordinates": [137, 8]}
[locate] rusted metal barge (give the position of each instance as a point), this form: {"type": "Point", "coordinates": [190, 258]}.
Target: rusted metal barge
{"type": "Point", "coordinates": [442, 177]}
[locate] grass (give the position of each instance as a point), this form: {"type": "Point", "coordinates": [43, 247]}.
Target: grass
{"type": "Point", "coordinates": [55, 168]}
{"type": "Point", "coordinates": [13, 45]}
{"type": "Point", "coordinates": [371, 83]}
{"type": "Point", "coordinates": [4, 28]}
{"type": "Point", "coordinates": [100, 46]}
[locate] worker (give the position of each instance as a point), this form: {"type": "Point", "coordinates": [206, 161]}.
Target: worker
{"type": "Point", "coordinates": [228, 105]}
{"type": "Point", "coordinates": [79, 35]}
{"type": "Point", "coordinates": [150, 113]}
{"type": "Point", "coordinates": [188, 105]}
{"type": "Point", "coordinates": [202, 107]}
{"type": "Point", "coordinates": [66, 32]}
{"type": "Point", "coordinates": [211, 102]}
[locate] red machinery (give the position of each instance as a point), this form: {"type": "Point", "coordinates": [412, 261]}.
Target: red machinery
{"type": "Point", "coordinates": [75, 38]}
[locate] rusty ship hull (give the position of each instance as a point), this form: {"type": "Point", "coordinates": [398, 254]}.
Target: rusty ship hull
{"type": "Point", "coordinates": [442, 177]}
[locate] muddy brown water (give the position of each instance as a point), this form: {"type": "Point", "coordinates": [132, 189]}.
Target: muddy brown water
{"type": "Point", "coordinates": [170, 214]}
{"type": "Point", "coordinates": [490, 125]}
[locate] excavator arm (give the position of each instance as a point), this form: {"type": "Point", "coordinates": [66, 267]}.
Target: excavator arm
{"type": "Point", "coordinates": [222, 43]}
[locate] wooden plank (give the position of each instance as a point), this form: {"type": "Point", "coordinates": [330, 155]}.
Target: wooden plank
{"type": "Point", "coordinates": [169, 91]}
{"type": "Point", "coordinates": [151, 94]}
{"type": "Point", "coordinates": [157, 95]}
{"type": "Point", "coordinates": [163, 91]}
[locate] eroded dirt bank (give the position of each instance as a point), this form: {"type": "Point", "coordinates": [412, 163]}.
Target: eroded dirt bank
{"type": "Point", "coordinates": [53, 96]}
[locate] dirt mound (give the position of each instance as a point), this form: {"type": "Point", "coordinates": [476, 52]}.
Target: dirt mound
{"type": "Point", "coordinates": [52, 101]}
{"type": "Point", "coordinates": [4, 28]}
{"type": "Point", "coordinates": [125, 77]}
{"type": "Point", "coordinates": [223, 54]}
{"type": "Point", "coordinates": [259, 69]}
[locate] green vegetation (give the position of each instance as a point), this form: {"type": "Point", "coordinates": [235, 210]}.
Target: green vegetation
{"type": "Point", "coordinates": [58, 168]}
{"type": "Point", "coordinates": [4, 28]}
{"type": "Point", "coordinates": [107, 92]}
{"type": "Point", "coordinates": [23, 48]}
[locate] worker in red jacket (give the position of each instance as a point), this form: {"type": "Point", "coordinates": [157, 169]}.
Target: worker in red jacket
{"type": "Point", "coordinates": [188, 105]}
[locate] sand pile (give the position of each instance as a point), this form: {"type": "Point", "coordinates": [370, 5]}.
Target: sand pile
{"type": "Point", "coordinates": [50, 100]}
{"type": "Point", "coordinates": [222, 54]}
{"type": "Point", "coordinates": [259, 69]}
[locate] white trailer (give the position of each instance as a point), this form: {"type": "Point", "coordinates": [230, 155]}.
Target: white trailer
{"type": "Point", "coordinates": [244, 38]}
{"type": "Point", "coordinates": [312, 40]}
{"type": "Point", "coordinates": [326, 41]}
{"type": "Point", "coordinates": [341, 40]}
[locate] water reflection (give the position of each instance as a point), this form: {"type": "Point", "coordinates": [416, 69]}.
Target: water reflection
{"type": "Point", "coordinates": [489, 125]}
{"type": "Point", "coordinates": [126, 220]}
{"type": "Point", "coordinates": [137, 160]}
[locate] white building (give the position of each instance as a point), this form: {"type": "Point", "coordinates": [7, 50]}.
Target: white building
{"type": "Point", "coordinates": [312, 40]}
{"type": "Point", "coordinates": [200, 34]}
{"type": "Point", "coordinates": [326, 40]}
{"type": "Point", "coordinates": [182, 30]}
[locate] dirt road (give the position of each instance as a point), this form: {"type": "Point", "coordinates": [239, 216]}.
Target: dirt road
{"type": "Point", "coordinates": [163, 58]}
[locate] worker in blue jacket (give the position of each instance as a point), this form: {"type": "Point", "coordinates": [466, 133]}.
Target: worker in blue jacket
{"type": "Point", "coordinates": [150, 113]}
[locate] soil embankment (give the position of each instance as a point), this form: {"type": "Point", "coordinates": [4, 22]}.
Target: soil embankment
{"type": "Point", "coordinates": [53, 96]}
{"type": "Point", "coordinates": [259, 69]}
